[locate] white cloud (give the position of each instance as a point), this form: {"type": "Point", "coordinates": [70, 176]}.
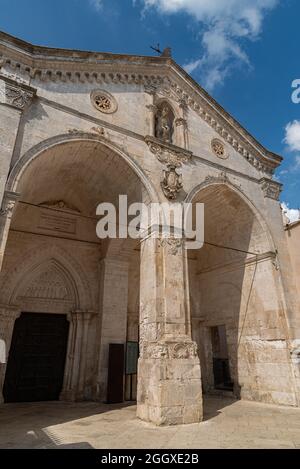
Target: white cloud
{"type": "Point", "coordinates": [225, 23]}
{"type": "Point", "coordinates": [97, 4]}
{"type": "Point", "coordinates": [292, 136]}
{"type": "Point", "coordinates": [291, 213]}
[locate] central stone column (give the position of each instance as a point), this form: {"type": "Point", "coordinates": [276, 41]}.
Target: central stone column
{"type": "Point", "coordinates": [169, 377]}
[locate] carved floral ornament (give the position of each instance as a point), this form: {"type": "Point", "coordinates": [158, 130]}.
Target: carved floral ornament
{"type": "Point", "coordinates": [16, 94]}
{"type": "Point", "coordinates": [103, 101]}
{"type": "Point", "coordinates": [219, 149]}
{"type": "Point", "coordinates": [169, 350]}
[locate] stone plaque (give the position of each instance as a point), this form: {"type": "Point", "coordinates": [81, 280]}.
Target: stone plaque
{"type": "Point", "coordinates": [57, 223]}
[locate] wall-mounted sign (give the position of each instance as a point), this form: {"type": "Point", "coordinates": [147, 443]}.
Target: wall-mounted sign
{"type": "Point", "coordinates": [132, 355]}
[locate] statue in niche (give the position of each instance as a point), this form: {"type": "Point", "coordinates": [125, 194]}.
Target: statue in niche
{"type": "Point", "coordinates": [164, 124]}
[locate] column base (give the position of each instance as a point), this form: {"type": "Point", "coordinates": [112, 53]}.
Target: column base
{"type": "Point", "coordinates": [169, 389]}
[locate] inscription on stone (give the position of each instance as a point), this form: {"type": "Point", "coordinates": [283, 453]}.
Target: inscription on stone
{"type": "Point", "coordinates": [57, 223]}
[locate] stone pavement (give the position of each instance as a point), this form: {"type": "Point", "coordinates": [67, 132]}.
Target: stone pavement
{"type": "Point", "coordinates": [227, 424]}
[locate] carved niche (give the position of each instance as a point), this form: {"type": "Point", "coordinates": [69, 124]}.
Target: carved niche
{"type": "Point", "coordinates": [164, 122]}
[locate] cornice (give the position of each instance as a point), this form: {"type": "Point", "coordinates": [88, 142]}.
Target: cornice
{"type": "Point", "coordinates": [156, 74]}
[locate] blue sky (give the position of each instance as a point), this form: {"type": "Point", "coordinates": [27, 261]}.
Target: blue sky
{"type": "Point", "coordinates": [245, 52]}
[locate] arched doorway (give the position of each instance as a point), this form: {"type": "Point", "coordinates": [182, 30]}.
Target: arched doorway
{"type": "Point", "coordinates": [54, 264]}
{"type": "Point", "coordinates": [236, 308]}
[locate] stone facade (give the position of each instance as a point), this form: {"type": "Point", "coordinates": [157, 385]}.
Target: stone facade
{"type": "Point", "coordinates": [81, 128]}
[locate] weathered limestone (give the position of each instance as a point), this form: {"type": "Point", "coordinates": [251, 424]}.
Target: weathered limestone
{"type": "Point", "coordinates": [91, 127]}
{"type": "Point", "coordinates": [8, 204]}
{"type": "Point", "coordinates": [77, 353]}
{"type": "Point", "coordinates": [169, 380]}
{"type": "Point", "coordinates": [114, 284]}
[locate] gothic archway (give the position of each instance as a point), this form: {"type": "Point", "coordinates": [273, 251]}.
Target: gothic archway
{"type": "Point", "coordinates": [228, 277]}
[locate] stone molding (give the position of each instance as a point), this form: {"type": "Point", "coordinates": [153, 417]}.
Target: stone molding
{"type": "Point", "coordinates": [271, 189]}
{"type": "Point", "coordinates": [16, 94]}
{"type": "Point", "coordinates": [220, 121]}
{"type": "Point", "coordinates": [9, 201]}
{"type": "Point", "coordinates": [185, 93]}
{"type": "Point", "coordinates": [169, 349]}
{"type": "Point", "coordinates": [168, 153]}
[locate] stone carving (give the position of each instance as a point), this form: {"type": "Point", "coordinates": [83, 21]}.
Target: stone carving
{"type": "Point", "coordinates": [173, 244]}
{"type": "Point", "coordinates": [180, 121]}
{"type": "Point", "coordinates": [17, 96]}
{"type": "Point", "coordinates": [48, 285]}
{"type": "Point", "coordinates": [173, 157]}
{"type": "Point", "coordinates": [60, 205]}
{"type": "Point", "coordinates": [168, 154]}
{"type": "Point", "coordinates": [271, 189]}
{"type": "Point", "coordinates": [8, 204]}
{"type": "Point", "coordinates": [164, 123]}
{"type": "Point", "coordinates": [157, 84]}
{"type": "Point", "coordinates": [8, 209]}
{"type": "Point", "coordinates": [169, 350]}
{"type": "Point", "coordinates": [171, 183]}
{"type": "Point", "coordinates": [222, 178]}
{"type": "Point", "coordinates": [103, 101]}
{"type": "Point", "coordinates": [219, 149]}
{"type": "Point", "coordinates": [218, 120]}
{"type": "Point", "coordinates": [99, 131]}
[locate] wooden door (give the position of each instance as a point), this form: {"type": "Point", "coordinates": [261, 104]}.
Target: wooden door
{"type": "Point", "coordinates": [36, 361]}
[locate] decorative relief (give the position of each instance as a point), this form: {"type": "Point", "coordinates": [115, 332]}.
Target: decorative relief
{"type": "Point", "coordinates": [219, 149]}
{"type": "Point", "coordinates": [8, 204]}
{"type": "Point", "coordinates": [222, 178]}
{"type": "Point", "coordinates": [174, 245]}
{"type": "Point", "coordinates": [17, 96]}
{"type": "Point", "coordinates": [100, 131]}
{"type": "Point", "coordinates": [173, 157]}
{"type": "Point", "coordinates": [103, 101]}
{"type": "Point", "coordinates": [60, 205]}
{"type": "Point", "coordinates": [168, 154]}
{"type": "Point", "coordinates": [172, 182]}
{"type": "Point", "coordinates": [271, 189]}
{"type": "Point", "coordinates": [169, 350]}
{"type": "Point", "coordinates": [48, 285]}
{"type": "Point", "coordinates": [258, 158]}
{"type": "Point", "coordinates": [214, 116]}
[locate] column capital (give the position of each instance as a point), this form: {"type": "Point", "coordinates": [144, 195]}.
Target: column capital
{"type": "Point", "coordinates": [9, 312]}
{"type": "Point", "coordinates": [9, 201]}
{"type": "Point", "coordinates": [15, 94]}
